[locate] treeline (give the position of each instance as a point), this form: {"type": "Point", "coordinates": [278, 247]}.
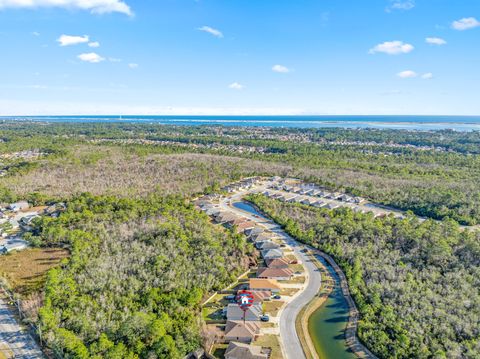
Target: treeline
{"type": "Point", "coordinates": [416, 284]}
{"type": "Point", "coordinates": [385, 166]}
{"type": "Point", "coordinates": [136, 276]}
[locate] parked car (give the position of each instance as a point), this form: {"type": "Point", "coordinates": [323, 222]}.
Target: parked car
{"type": "Point", "coordinates": [230, 297]}
{"type": "Point", "coordinates": [277, 296]}
{"type": "Point", "coordinates": [265, 318]}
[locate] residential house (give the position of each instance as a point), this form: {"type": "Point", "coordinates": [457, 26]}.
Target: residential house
{"type": "Point", "coordinates": [260, 296]}
{"type": "Point", "coordinates": [254, 231]}
{"type": "Point", "coordinates": [234, 312]}
{"type": "Point", "coordinates": [237, 350]}
{"type": "Point", "coordinates": [278, 263]}
{"type": "Point", "coordinates": [19, 206]}
{"type": "Point", "coordinates": [331, 206]}
{"type": "Point", "coordinates": [264, 284]}
{"type": "Point", "coordinates": [242, 227]}
{"type": "Point", "coordinates": [239, 331]}
{"type": "Point", "coordinates": [275, 273]}
{"type": "Point", "coordinates": [272, 253]}
{"type": "Point", "coordinates": [309, 201]}
{"type": "Point", "coordinates": [292, 199]}
{"type": "Point", "coordinates": [225, 217]}
{"type": "Point", "coordinates": [319, 204]}
{"type": "Point", "coordinates": [264, 245]}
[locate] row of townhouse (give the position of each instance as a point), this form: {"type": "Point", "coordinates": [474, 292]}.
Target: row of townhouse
{"type": "Point", "coordinates": [244, 184]}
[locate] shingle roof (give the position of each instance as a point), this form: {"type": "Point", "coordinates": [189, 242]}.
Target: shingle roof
{"type": "Point", "coordinates": [257, 283]}
{"type": "Point", "coordinates": [239, 329]}
{"type": "Point", "coordinates": [244, 351]}
{"type": "Point", "coordinates": [274, 272]}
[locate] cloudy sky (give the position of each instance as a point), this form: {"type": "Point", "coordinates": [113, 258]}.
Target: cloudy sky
{"type": "Point", "coordinates": [239, 57]}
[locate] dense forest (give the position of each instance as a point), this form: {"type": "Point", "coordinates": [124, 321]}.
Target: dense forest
{"type": "Point", "coordinates": [136, 276]}
{"type": "Point", "coordinates": [416, 284]}
{"type": "Point", "coordinates": [432, 173]}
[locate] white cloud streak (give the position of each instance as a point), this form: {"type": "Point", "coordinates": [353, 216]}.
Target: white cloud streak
{"type": "Point", "coordinates": [133, 65]}
{"type": "Point", "coordinates": [427, 76]}
{"type": "Point", "coordinates": [465, 24]}
{"type": "Point", "coordinates": [401, 5]}
{"type": "Point", "coordinates": [91, 57]}
{"type": "Point", "coordinates": [211, 31]}
{"type": "Point", "coordinates": [94, 44]}
{"type": "Point", "coordinates": [94, 6]}
{"type": "Point", "coordinates": [236, 86]}
{"type": "Point", "coordinates": [280, 69]}
{"type": "Point", "coordinates": [392, 48]}
{"type": "Point", "coordinates": [68, 40]}
{"type": "Point", "coordinates": [407, 74]}
{"type": "Point", "coordinates": [435, 41]}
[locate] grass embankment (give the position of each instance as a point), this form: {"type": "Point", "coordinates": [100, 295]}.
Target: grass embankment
{"type": "Point", "coordinates": [301, 323]}
{"type": "Point", "coordinates": [25, 271]}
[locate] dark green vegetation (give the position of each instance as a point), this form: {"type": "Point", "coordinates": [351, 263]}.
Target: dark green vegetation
{"type": "Point", "coordinates": [142, 259]}
{"type": "Point", "coordinates": [137, 273]}
{"type": "Point", "coordinates": [416, 284]}
{"type": "Point", "coordinates": [434, 174]}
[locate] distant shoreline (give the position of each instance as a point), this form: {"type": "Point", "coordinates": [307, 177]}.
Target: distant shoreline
{"type": "Point", "coordinates": [458, 123]}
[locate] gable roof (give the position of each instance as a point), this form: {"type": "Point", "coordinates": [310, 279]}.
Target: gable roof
{"type": "Point", "coordinates": [239, 329]}
{"type": "Point", "coordinates": [274, 272]}
{"type": "Point", "coordinates": [258, 283]}
{"type": "Point", "coordinates": [244, 351]}
{"type": "Point", "coordinates": [272, 253]}
{"type": "Point", "coordinates": [261, 295]}
{"type": "Point", "coordinates": [277, 263]}
{"type": "Point", "coordinates": [234, 312]}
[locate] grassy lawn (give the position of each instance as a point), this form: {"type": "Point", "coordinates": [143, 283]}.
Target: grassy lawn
{"type": "Point", "coordinates": [270, 341]}
{"type": "Point", "coordinates": [267, 325]}
{"type": "Point", "coordinates": [295, 280]}
{"type": "Point", "coordinates": [289, 291]}
{"type": "Point", "coordinates": [219, 351]}
{"type": "Point", "coordinates": [291, 257]}
{"type": "Point", "coordinates": [25, 271]}
{"type": "Point", "coordinates": [272, 307]}
{"type": "Point", "coordinates": [212, 313]}
{"type": "Point", "coordinates": [296, 267]}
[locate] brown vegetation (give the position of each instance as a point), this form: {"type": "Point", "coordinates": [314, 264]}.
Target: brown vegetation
{"type": "Point", "coordinates": [118, 172]}
{"type": "Point", "coordinates": [25, 271]}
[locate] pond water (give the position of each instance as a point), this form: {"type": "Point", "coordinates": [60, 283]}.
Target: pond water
{"type": "Point", "coordinates": [247, 208]}
{"type": "Point", "coordinates": [327, 325]}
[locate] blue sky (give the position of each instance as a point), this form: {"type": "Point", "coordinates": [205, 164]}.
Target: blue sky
{"type": "Point", "coordinates": [239, 57]}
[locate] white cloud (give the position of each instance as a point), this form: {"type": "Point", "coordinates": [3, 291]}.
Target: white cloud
{"type": "Point", "coordinates": [435, 41]}
{"type": "Point", "coordinates": [281, 69]}
{"type": "Point", "coordinates": [133, 65]}
{"type": "Point", "coordinates": [91, 57]}
{"type": "Point", "coordinates": [465, 23]}
{"type": "Point", "coordinates": [35, 33]}
{"type": "Point", "coordinates": [407, 74]}
{"type": "Point", "coordinates": [68, 40]}
{"type": "Point", "coordinates": [392, 48]}
{"type": "Point", "coordinates": [236, 86]}
{"type": "Point", "coordinates": [94, 44]}
{"type": "Point", "coordinates": [211, 30]}
{"type": "Point", "coordinates": [401, 5]}
{"type": "Point", "coordinates": [94, 6]}
{"type": "Point", "coordinates": [427, 76]}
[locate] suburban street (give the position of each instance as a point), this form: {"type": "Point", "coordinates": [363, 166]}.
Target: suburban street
{"type": "Point", "coordinates": [13, 340]}
{"type": "Point", "coordinates": [291, 346]}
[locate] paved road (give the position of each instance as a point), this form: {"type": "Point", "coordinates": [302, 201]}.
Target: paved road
{"type": "Point", "coordinates": [291, 346]}
{"type": "Point", "coordinates": [14, 338]}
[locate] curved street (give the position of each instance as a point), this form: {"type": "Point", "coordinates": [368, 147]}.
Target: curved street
{"type": "Point", "coordinates": [290, 343]}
